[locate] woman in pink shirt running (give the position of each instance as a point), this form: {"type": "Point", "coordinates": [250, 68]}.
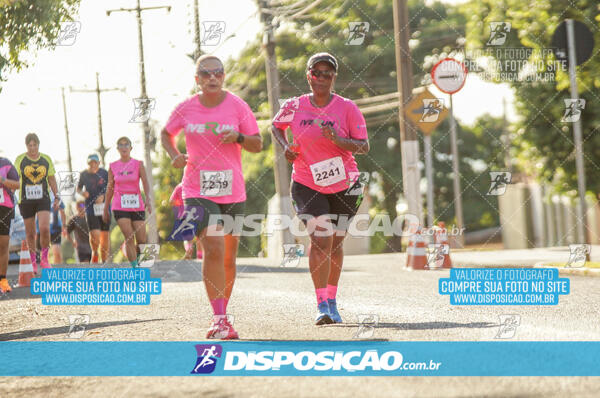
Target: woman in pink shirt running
{"type": "Point", "coordinates": [327, 131]}
{"type": "Point", "coordinates": [123, 192]}
{"type": "Point", "coordinates": [217, 125]}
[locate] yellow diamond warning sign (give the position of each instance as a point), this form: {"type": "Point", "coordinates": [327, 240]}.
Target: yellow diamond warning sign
{"type": "Point", "coordinates": [426, 111]}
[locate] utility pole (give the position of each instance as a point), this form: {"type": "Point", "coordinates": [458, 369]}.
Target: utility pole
{"type": "Point", "coordinates": [197, 50]}
{"type": "Point", "coordinates": [101, 148]}
{"type": "Point", "coordinates": [62, 90]}
{"type": "Point", "coordinates": [152, 233]}
{"type": "Point", "coordinates": [506, 138]}
{"type": "Point", "coordinates": [70, 164]}
{"type": "Point", "coordinates": [582, 228]}
{"type": "Point", "coordinates": [411, 175]}
{"type": "Point", "coordinates": [282, 176]}
{"type": "Point", "coordinates": [460, 239]}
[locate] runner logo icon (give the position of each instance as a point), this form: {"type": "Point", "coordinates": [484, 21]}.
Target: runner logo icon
{"type": "Point", "coordinates": [207, 358]}
{"type": "Point", "coordinates": [357, 31]}
{"type": "Point", "coordinates": [498, 33]}
{"type": "Point", "coordinates": [573, 109]}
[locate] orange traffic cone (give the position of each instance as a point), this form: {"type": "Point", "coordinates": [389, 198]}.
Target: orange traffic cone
{"type": "Point", "coordinates": [416, 252]}
{"type": "Point", "coordinates": [25, 267]}
{"type": "Point", "coordinates": [441, 237]}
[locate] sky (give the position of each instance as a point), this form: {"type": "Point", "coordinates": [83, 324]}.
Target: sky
{"type": "Point", "coordinates": [31, 99]}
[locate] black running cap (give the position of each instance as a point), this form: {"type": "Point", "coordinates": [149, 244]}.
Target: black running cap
{"type": "Point", "coordinates": [322, 57]}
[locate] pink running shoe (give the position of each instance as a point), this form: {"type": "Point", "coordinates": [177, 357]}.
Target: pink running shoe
{"type": "Point", "coordinates": [223, 330]}
{"type": "Point", "coordinates": [44, 263]}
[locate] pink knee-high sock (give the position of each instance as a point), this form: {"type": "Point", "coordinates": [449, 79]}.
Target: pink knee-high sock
{"type": "Point", "coordinates": [218, 306]}
{"type": "Point", "coordinates": [32, 257]}
{"type": "Point", "coordinates": [331, 292]}
{"type": "Point", "coordinates": [44, 254]}
{"type": "Point", "coordinates": [321, 295]}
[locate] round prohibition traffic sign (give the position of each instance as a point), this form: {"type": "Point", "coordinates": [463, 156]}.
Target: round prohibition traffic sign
{"type": "Point", "coordinates": [449, 75]}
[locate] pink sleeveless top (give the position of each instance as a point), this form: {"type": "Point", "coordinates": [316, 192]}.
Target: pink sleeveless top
{"type": "Point", "coordinates": [127, 195]}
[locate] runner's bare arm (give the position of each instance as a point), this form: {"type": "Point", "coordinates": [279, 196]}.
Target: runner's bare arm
{"type": "Point", "coordinates": [83, 193]}
{"type": "Point", "coordinates": [110, 186]}
{"type": "Point", "coordinates": [280, 137]}
{"type": "Point", "coordinates": [251, 143]}
{"type": "Point", "coordinates": [349, 144]}
{"type": "Point", "coordinates": [144, 178]}
{"type": "Point", "coordinates": [54, 188]}
{"type": "Point", "coordinates": [8, 183]}
{"type": "Point", "coordinates": [178, 159]}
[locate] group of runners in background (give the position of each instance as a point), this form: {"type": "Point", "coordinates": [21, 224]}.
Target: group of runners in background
{"type": "Point", "coordinates": [326, 129]}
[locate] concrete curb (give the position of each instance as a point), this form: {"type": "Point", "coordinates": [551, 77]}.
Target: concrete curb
{"type": "Point", "coordinates": [583, 271]}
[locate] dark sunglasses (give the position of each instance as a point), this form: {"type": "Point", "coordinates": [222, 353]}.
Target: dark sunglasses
{"type": "Point", "coordinates": [206, 74]}
{"type": "Point", "coordinates": [327, 74]}
{"type": "Point", "coordinates": [123, 146]}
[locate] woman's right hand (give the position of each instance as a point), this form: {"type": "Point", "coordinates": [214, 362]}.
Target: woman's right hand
{"type": "Point", "coordinates": [179, 161]}
{"type": "Point", "coordinates": [291, 152]}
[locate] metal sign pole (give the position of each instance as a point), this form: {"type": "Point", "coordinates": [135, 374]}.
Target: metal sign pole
{"type": "Point", "coordinates": [429, 174]}
{"type": "Point", "coordinates": [455, 171]}
{"type": "Point", "coordinates": [582, 209]}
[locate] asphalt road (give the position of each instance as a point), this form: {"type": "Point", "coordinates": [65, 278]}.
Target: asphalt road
{"type": "Point", "coordinates": [273, 303]}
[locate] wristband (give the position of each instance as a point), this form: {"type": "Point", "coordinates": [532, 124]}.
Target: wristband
{"type": "Point", "coordinates": [240, 138]}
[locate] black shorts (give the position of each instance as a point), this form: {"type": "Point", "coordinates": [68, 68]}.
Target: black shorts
{"type": "Point", "coordinates": [207, 207]}
{"type": "Point", "coordinates": [84, 257]}
{"type": "Point", "coordinates": [309, 202]}
{"type": "Point", "coordinates": [96, 222]}
{"type": "Point", "coordinates": [55, 239]}
{"type": "Point", "coordinates": [132, 215]}
{"type": "Point", "coordinates": [31, 208]}
{"type": "Point", "coordinates": [6, 216]}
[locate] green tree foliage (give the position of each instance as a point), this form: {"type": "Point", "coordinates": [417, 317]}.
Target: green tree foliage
{"type": "Point", "coordinates": [29, 25]}
{"type": "Point", "coordinates": [544, 144]}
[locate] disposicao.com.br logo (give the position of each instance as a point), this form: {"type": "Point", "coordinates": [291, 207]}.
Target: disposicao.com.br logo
{"type": "Point", "coordinates": [325, 362]}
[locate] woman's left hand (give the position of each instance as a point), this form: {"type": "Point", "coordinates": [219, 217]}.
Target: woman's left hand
{"type": "Point", "coordinates": [229, 136]}
{"type": "Point", "coordinates": [329, 133]}
{"type": "Point", "coordinates": [149, 208]}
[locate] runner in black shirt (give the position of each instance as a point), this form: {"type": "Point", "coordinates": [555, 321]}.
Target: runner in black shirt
{"type": "Point", "coordinates": [94, 180]}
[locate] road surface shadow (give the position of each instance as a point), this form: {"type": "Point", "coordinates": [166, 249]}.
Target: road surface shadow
{"type": "Point", "coordinates": [63, 330]}
{"type": "Point", "coordinates": [420, 325]}
{"type": "Point", "coordinates": [307, 341]}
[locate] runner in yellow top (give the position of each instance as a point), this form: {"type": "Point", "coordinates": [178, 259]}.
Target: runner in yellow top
{"type": "Point", "coordinates": [36, 173]}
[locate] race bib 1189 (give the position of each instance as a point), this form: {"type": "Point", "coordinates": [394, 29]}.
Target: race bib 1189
{"type": "Point", "coordinates": [130, 201]}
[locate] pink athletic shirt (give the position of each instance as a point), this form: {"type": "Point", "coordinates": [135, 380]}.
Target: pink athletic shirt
{"type": "Point", "coordinates": [127, 195]}
{"type": "Point", "coordinates": [7, 170]}
{"type": "Point", "coordinates": [214, 169]}
{"type": "Point", "coordinates": [322, 165]}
